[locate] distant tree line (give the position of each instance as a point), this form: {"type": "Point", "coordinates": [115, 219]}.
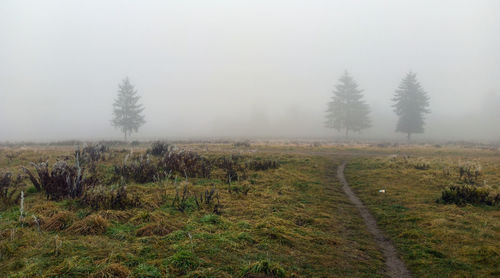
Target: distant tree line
{"type": "Point", "coordinates": [348, 111]}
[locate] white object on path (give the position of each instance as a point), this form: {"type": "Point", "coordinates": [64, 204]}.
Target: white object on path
{"type": "Point", "coordinates": [381, 191]}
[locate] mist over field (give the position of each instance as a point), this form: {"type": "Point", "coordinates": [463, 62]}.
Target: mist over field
{"type": "Point", "coordinates": [244, 68]}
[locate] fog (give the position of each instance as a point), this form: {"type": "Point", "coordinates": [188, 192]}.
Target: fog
{"type": "Point", "coordinates": [244, 68]}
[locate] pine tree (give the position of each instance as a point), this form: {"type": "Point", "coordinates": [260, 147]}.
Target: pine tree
{"type": "Point", "coordinates": [347, 110]}
{"type": "Point", "coordinates": [410, 104]}
{"type": "Point", "coordinates": [127, 111]}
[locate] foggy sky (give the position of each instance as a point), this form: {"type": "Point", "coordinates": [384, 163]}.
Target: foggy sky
{"type": "Point", "coordinates": [243, 68]}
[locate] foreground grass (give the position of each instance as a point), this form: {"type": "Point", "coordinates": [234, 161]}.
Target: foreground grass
{"type": "Point", "coordinates": [294, 221]}
{"type": "Point", "coordinates": [436, 240]}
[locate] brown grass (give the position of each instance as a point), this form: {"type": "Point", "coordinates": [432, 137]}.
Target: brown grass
{"type": "Point", "coordinates": [90, 225]}
{"type": "Point", "coordinates": [59, 221]}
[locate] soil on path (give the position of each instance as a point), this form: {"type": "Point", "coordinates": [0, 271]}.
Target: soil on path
{"type": "Point", "coordinates": [395, 266]}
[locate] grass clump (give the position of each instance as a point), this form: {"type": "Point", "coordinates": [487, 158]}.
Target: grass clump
{"type": "Point", "coordinates": [156, 229]}
{"type": "Point", "coordinates": [102, 197]}
{"type": "Point", "coordinates": [112, 270]}
{"type": "Point", "coordinates": [183, 261]}
{"type": "Point", "coordinates": [147, 271]}
{"type": "Point", "coordinates": [90, 225]}
{"type": "Point", "coordinates": [59, 221]}
{"type": "Point", "coordinates": [264, 267]}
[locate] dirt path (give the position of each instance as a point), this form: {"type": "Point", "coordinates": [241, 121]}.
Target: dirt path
{"type": "Point", "coordinates": [395, 267]}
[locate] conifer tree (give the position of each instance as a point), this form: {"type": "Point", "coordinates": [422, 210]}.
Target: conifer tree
{"type": "Point", "coordinates": [347, 110]}
{"type": "Point", "coordinates": [410, 104]}
{"type": "Point", "coordinates": [127, 111]}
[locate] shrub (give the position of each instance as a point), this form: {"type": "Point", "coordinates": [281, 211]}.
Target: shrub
{"type": "Point", "coordinates": [244, 144]}
{"type": "Point", "coordinates": [421, 164]}
{"type": "Point", "coordinates": [262, 165]}
{"type": "Point", "coordinates": [188, 164]}
{"type": "Point", "coordinates": [102, 197]}
{"type": "Point", "coordinates": [207, 201]}
{"type": "Point", "coordinates": [8, 188]}
{"type": "Point", "coordinates": [180, 202]}
{"type": "Point", "coordinates": [469, 172]}
{"type": "Point", "coordinates": [158, 148]}
{"type": "Point", "coordinates": [264, 267]}
{"type": "Point", "coordinates": [140, 169]}
{"type": "Point", "coordinates": [62, 181]}
{"type": "Point", "coordinates": [469, 194]}
{"type": "Point", "coordinates": [94, 152]}
{"type": "Point", "coordinates": [233, 167]}
{"type": "Point", "coordinates": [90, 225]}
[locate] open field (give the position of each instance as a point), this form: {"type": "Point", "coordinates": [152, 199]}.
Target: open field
{"type": "Point", "coordinates": [290, 220]}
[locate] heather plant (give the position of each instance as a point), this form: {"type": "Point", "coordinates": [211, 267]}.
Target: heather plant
{"type": "Point", "coordinates": [103, 197]}
{"type": "Point", "coordinates": [158, 148]}
{"type": "Point", "coordinates": [207, 200]}
{"type": "Point", "coordinates": [186, 163]}
{"type": "Point", "coordinates": [262, 165]}
{"type": "Point", "coordinates": [244, 144]}
{"type": "Point", "coordinates": [8, 188]}
{"type": "Point", "coordinates": [469, 194]}
{"type": "Point", "coordinates": [469, 172]}
{"type": "Point", "coordinates": [63, 181]}
{"type": "Point", "coordinates": [141, 169]}
{"type": "Point", "coordinates": [234, 168]}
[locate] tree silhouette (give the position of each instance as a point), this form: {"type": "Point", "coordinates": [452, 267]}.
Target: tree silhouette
{"type": "Point", "coordinates": [127, 111]}
{"type": "Point", "coordinates": [410, 104]}
{"type": "Point", "coordinates": [347, 110]}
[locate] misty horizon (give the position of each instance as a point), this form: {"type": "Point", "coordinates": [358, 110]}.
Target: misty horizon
{"type": "Point", "coordinates": [244, 69]}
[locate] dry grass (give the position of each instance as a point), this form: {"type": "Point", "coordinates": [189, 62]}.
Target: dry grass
{"type": "Point", "coordinates": [90, 225]}
{"type": "Point", "coordinates": [436, 239]}
{"type": "Point", "coordinates": [295, 217]}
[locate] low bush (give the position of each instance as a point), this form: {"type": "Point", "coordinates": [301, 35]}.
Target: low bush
{"type": "Point", "coordinates": [140, 169]}
{"type": "Point", "coordinates": [234, 168]}
{"type": "Point", "coordinates": [208, 200]}
{"type": "Point", "coordinates": [469, 194]}
{"type": "Point", "coordinates": [469, 172]}
{"type": "Point", "coordinates": [62, 181]}
{"type": "Point", "coordinates": [186, 163]}
{"type": "Point", "coordinates": [158, 148]}
{"type": "Point", "coordinates": [9, 194]}
{"type": "Point", "coordinates": [262, 165]}
{"type": "Point", "coordinates": [102, 197]}
{"type": "Point", "coordinates": [244, 144]}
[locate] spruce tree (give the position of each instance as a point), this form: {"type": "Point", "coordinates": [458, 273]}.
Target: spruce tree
{"type": "Point", "coordinates": [410, 104]}
{"type": "Point", "coordinates": [127, 111]}
{"type": "Point", "coordinates": [347, 110]}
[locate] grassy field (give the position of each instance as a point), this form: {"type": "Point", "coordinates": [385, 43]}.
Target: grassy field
{"type": "Point", "coordinates": [294, 221]}
{"type": "Point", "coordinates": [435, 239]}
{"type": "Point", "coordinates": [289, 221]}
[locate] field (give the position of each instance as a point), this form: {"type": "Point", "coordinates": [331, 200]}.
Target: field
{"type": "Point", "coordinates": [262, 211]}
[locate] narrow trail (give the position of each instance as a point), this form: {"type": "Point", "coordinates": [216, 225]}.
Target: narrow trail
{"type": "Point", "coordinates": [395, 266]}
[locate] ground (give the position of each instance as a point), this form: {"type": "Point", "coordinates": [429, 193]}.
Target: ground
{"type": "Point", "coordinates": [295, 221]}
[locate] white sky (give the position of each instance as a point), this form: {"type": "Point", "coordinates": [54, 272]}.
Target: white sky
{"type": "Point", "coordinates": [241, 68]}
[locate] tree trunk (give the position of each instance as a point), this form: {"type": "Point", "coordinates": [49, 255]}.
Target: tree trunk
{"type": "Point", "coordinates": [346, 133]}
{"type": "Point", "coordinates": [125, 135]}
{"type": "Point", "coordinates": [409, 138]}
